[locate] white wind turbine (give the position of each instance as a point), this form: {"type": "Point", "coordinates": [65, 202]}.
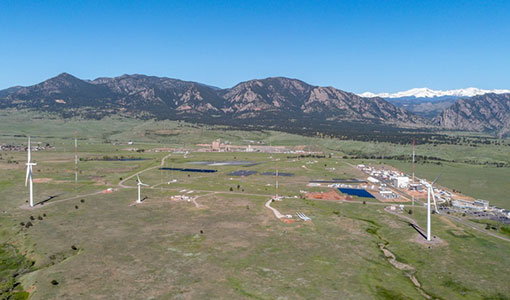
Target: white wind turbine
{"type": "Point", "coordinates": [139, 183]}
{"type": "Point", "coordinates": [430, 194]}
{"type": "Point", "coordinates": [30, 175]}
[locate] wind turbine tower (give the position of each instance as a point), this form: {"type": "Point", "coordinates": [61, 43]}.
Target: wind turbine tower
{"type": "Point", "coordinates": [429, 188]}
{"type": "Point", "coordinates": [430, 194]}
{"type": "Point", "coordinates": [139, 184]}
{"type": "Point", "coordinates": [30, 174]}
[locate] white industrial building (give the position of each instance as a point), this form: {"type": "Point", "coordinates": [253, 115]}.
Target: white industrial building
{"type": "Point", "coordinates": [482, 203]}
{"type": "Point", "coordinates": [372, 179]}
{"type": "Point", "coordinates": [388, 194]}
{"type": "Point", "coordinates": [463, 204]}
{"type": "Point", "coordinates": [400, 181]}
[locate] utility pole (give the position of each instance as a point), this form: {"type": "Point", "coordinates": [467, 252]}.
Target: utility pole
{"type": "Point", "coordinates": [75, 159]}
{"type": "Point", "coordinates": [413, 160]}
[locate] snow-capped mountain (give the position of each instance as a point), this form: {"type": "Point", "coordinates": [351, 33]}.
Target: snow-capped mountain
{"type": "Point", "coordinates": [429, 93]}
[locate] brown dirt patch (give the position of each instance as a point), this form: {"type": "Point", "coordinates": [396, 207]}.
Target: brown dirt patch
{"type": "Point", "coordinates": [462, 197]}
{"type": "Point", "coordinates": [435, 242]}
{"type": "Point", "coordinates": [330, 195]}
{"type": "Point", "coordinates": [417, 194]}
{"type": "Point", "coordinates": [42, 180]}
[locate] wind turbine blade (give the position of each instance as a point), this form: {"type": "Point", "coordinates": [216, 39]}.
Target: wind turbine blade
{"type": "Point", "coordinates": [138, 179]}
{"type": "Point", "coordinates": [28, 174]}
{"type": "Point", "coordinates": [434, 198]}
{"type": "Point", "coordinates": [436, 179]}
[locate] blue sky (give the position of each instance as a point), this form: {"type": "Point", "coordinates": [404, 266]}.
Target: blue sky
{"type": "Point", "coordinates": [378, 46]}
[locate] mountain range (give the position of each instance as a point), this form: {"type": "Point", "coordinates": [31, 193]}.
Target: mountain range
{"type": "Point", "coordinates": [429, 93]}
{"type": "Point", "coordinates": [168, 98]}
{"type": "Point", "coordinates": [489, 112]}
{"type": "Point", "coordinates": [284, 103]}
{"type": "Point", "coordinates": [429, 103]}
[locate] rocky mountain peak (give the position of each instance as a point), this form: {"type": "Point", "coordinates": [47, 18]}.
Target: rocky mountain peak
{"type": "Point", "coordinates": [273, 98]}
{"type": "Point", "coordinates": [488, 112]}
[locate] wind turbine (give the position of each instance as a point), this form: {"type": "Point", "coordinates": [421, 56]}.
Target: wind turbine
{"type": "Point", "coordinates": [30, 175]}
{"type": "Point", "coordinates": [430, 194]}
{"type": "Point", "coordinates": [139, 183]}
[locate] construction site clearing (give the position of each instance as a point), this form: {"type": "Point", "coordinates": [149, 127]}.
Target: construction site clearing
{"type": "Point", "coordinates": [382, 194]}
{"type": "Point", "coordinates": [329, 195]}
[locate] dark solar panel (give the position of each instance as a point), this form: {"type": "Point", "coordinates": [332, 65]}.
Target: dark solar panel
{"type": "Point", "coordinates": [356, 192]}
{"type": "Point", "coordinates": [190, 170]}
{"type": "Point", "coordinates": [242, 173]}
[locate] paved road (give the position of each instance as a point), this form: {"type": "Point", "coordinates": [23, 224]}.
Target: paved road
{"type": "Point", "coordinates": [276, 213]}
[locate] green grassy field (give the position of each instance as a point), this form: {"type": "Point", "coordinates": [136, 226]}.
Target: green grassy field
{"type": "Point", "coordinates": [91, 245]}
